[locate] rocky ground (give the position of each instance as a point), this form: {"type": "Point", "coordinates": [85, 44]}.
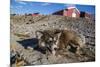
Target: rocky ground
{"type": "Point", "coordinates": [23, 41]}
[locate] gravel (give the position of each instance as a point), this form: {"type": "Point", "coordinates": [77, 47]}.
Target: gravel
{"type": "Point", "coordinates": [29, 24]}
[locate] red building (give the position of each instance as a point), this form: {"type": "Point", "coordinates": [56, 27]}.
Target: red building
{"type": "Point", "coordinates": [74, 12]}
{"type": "Point", "coordinates": [71, 12]}
{"type": "Point", "coordinates": [35, 14]}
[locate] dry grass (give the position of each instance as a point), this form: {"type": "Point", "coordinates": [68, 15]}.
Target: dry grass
{"type": "Point", "coordinates": [21, 35]}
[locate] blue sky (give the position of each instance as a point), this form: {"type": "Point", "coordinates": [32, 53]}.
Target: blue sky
{"type": "Point", "coordinates": [22, 7]}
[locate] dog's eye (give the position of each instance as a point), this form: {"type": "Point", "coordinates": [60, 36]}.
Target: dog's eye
{"type": "Point", "coordinates": [50, 41]}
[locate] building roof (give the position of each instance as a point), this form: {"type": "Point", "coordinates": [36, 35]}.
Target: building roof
{"type": "Point", "coordinates": [67, 9]}
{"type": "Point", "coordinates": [73, 8]}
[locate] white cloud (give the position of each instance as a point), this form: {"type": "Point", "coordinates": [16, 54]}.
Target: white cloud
{"type": "Point", "coordinates": [16, 7]}
{"type": "Point", "coordinates": [19, 6]}
{"type": "Point", "coordinates": [21, 2]}
{"type": "Point", "coordinates": [69, 5]}
{"type": "Point", "coordinates": [45, 4]}
{"type": "Point", "coordinates": [66, 5]}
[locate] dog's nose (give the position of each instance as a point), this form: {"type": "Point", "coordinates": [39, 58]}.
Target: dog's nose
{"type": "Point", "coordinates": [55, 48]}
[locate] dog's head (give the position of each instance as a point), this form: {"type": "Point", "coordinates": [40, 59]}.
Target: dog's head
{"type": "Point", "coordinates": [45, 39]}
{"type": "Point", "coordinates": [49, 40]}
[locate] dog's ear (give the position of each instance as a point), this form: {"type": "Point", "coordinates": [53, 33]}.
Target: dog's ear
{"type": "Point", "coordinates": [39, 34]}
{"type": "Point", "coordinates": [57, 36]}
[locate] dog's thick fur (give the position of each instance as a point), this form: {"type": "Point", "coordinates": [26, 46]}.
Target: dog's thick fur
{"type": "Point", "coordinates": [60, 39]}
{"type": "Point", "coordinates": [71, 38]}
{"type": "Point", "coordinates": [46, 39]}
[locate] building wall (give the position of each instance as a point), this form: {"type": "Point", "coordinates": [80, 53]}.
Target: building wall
{"type": "Point", "coordinates": [69, 12]}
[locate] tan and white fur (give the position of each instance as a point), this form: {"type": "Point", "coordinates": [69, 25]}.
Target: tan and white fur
{"type": "Point", "coordinates": [71, 38]}
{"type": "Point", "coordinates": [60, 39]}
